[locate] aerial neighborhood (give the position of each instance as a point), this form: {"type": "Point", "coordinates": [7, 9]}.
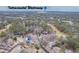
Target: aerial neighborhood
{"type": "Point", "coordinates": [39, 32]}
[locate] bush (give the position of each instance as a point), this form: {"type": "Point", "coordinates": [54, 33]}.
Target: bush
{"type": "Point", "coordinates": [2, 34]}
{"type": "Point", "coordinates": [15, 39]}
{"type": "Point", "coordinates": [77, 50]}
{"type": "Point", "coordinates": [36, 46]}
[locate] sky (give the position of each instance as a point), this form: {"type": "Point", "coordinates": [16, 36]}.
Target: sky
{"type": "Point", "coordinates": [49, 8]}
{"type": "Point", "coordinates": [66, 8]}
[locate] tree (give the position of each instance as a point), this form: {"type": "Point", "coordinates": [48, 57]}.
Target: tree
{"type": "Point", "coordinates": [45, 27]}
{"type": "Point", "coordinates": [72, 43]}
{"type": "Point", "coordinates": [15, 38]}
{"type": "Point", "coordinates": [17, 28]}
{"type": "Point", "coordinates": [2, 34]}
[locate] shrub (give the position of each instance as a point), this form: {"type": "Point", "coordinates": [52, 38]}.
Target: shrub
{"type": "Point", "coordinates": [2, 34]}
